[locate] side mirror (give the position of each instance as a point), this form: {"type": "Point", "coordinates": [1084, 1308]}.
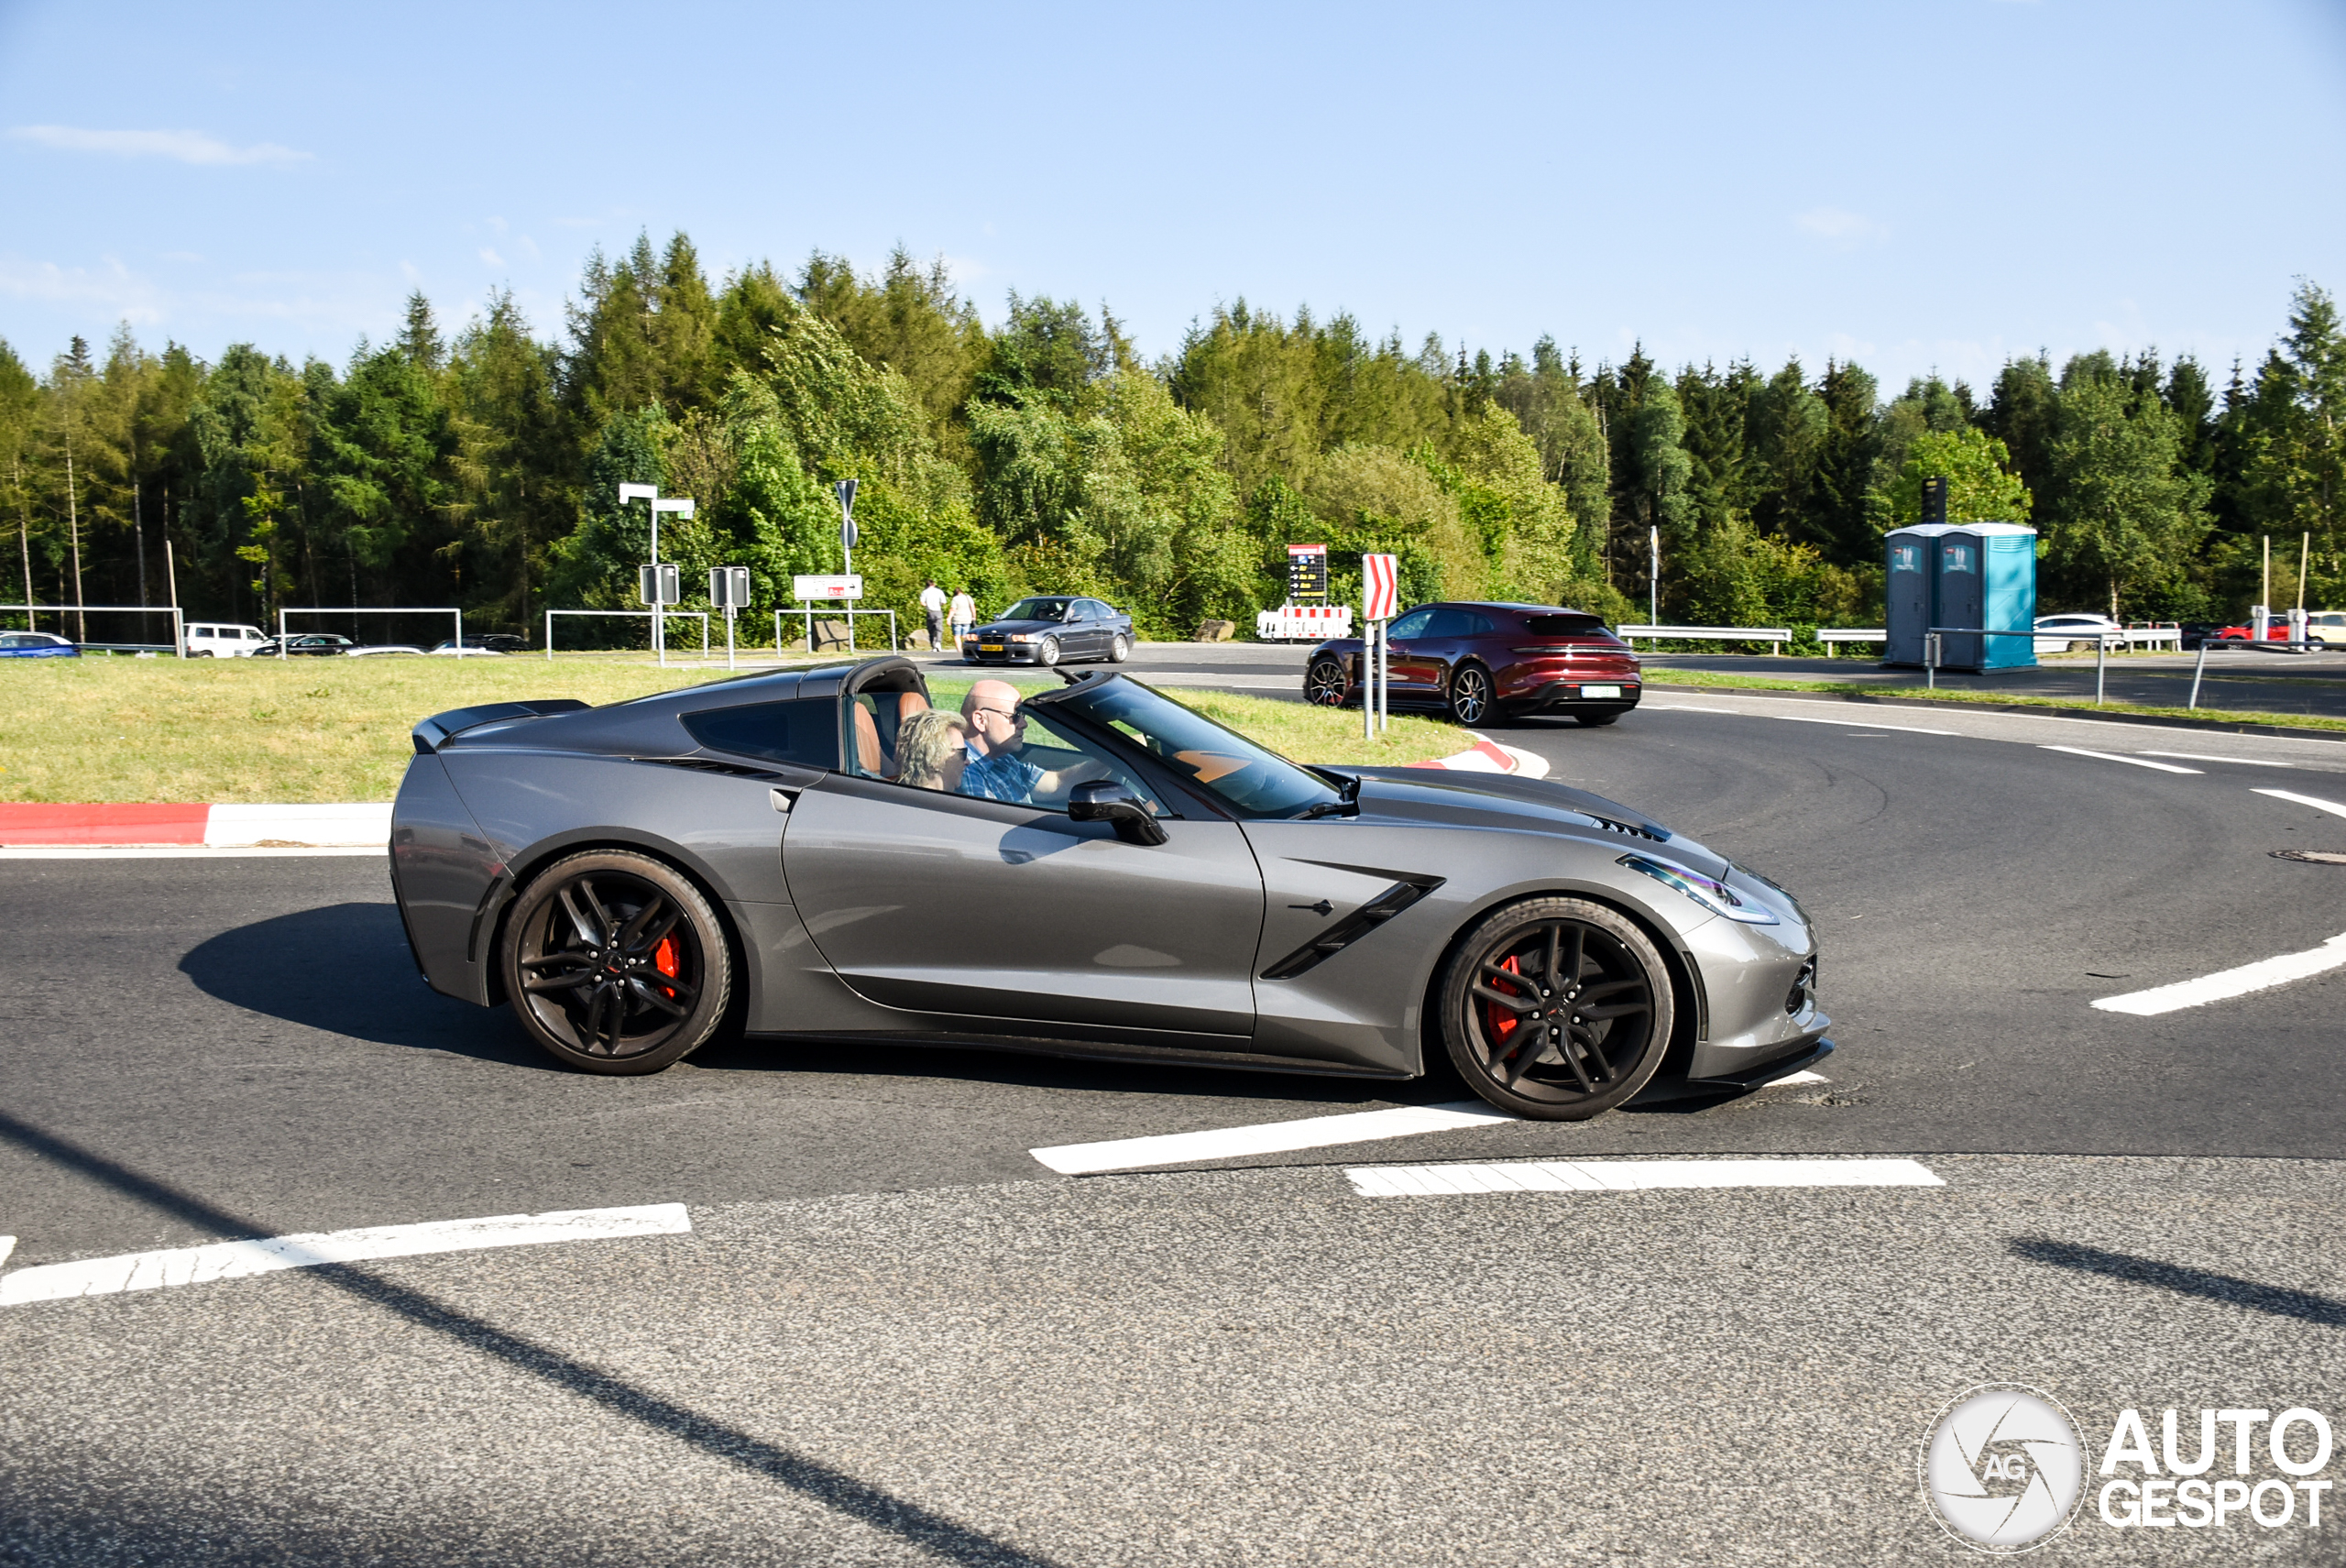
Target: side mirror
{"type": "Point", "coordinates": [1106, 800]}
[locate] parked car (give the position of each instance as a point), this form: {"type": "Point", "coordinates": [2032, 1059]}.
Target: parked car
{"type": "Point", "coordinates": [372, 649]}
{"type": "Point", "coordinates": [2323, 626]}
{"type": "Point", "coordinates": [2077, 633]}
{"type": "Point", "coordinates": [1168, 892]}
{"type": "Point", "coordinates": [36, 645]}
{"type": "Point", "coordinates": [470, 648]}
{"type": "Point", "coordinates": [1485, 662]}
{"type": "Point", "coordinates": [1047, 629]}
{"type": "Point", "coordinates": [307, 645]}
{"type": "Point", "coordinates": [224, 639]}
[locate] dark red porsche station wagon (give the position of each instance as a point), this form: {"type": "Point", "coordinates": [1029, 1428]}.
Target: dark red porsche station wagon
{"type": "Point", "coordinates": [1483, 663]}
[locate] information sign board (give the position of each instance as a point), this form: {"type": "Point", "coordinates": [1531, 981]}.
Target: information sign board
{"type": "Point", "coordinates": [814, 589]}
{"type": "Point", "coordinates": [1307, 574]}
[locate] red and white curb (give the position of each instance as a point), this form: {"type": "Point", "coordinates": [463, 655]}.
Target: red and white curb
{"type": "Point", "coordinates": [45, 831]}
{"type": "Point", "coordinates": [1487, 756]}
{"type": "Point", "coordinates": [31, 832]}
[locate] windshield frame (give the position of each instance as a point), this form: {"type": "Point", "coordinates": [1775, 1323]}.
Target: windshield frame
{"type": "Point", "coordinates": [1079, 704]}
{"type": "Point", "coordinates": [1065, 601]}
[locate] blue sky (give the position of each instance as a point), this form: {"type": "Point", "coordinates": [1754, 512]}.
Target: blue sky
{"type": "Point", "coordinates": [1939, 184]}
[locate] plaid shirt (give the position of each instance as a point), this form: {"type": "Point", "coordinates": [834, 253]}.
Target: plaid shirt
{"type": "Point", "coordinates": [999, 776]}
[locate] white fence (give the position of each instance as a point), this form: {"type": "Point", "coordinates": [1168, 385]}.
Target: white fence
{"type": "Point", "coordinates": [179, 634]}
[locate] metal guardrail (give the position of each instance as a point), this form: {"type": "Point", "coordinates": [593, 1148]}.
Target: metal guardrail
{"type": "Point", "coordinates": [1776, 636]}
{"type": "Point", "coordinates": [1934, 650]}
{"type": "Point", "coordinates": [1852, 634]}
{"type": "Point", "coordinates": [830, 611]}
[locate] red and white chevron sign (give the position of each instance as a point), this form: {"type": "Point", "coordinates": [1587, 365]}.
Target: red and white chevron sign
{"type": "Point", "coordinates": [1380, 579]}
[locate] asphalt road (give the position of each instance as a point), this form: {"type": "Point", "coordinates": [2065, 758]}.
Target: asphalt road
{"type": "Point", "coordinates": [892, 1335]}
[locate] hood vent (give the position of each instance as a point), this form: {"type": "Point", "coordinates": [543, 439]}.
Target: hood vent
{"type": "Point", "coordinates": [1650, 835]}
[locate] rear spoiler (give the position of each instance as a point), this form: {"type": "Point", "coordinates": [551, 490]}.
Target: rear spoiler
{"type": "Point", "coordinates": [432, 732]}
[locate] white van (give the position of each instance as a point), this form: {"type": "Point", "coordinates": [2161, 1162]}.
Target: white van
{"type": "Point", "coordinates": [207, 639]}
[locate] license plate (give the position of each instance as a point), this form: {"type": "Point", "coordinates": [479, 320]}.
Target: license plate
{"type": "Point", "coordinates": [988, 647]}
{"type": "Point", "coordinates": [1600, 691]}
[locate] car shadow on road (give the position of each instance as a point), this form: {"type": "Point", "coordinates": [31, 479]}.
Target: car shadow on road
{"type": "Point", "coordinates": [344, 969]}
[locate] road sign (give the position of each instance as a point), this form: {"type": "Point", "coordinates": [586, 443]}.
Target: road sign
{"type": "Point", "coordinates": [659, 585]}
{"type": "Point", "coordinates": [845, 490]}
{"type": "Point", "coordinates": [847, 586]}
{"type": "Point", "coordinates": [1380, 578]}
{"type": "Point", "coordinates": [1307, 574]}
{"type": "Point", "coordinates": [729, 586]}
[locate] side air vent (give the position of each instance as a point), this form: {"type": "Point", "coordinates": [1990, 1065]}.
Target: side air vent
{"type": "Point", "coordinates": [1352, 927]}
{"type": "Point", "coordinates": [713, 765]}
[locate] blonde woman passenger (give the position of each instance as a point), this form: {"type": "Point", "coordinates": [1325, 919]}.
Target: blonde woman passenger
{"type": "Point", "coordinates": [931, 747]}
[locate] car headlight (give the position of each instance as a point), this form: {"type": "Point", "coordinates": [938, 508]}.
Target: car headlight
{"type": "Point", "coordinates": [1708, 891]}
{"type": "Point", "coordinates": [1020, 637]}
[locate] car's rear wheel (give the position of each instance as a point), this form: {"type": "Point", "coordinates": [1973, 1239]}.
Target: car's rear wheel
{"type": "Point", "coordinates": [1556, 1009]}
{"type": "Point", "coordinates": [1120, 648]}
{"type": "Point", "coordinates": [1324, 683]}
{"type": "Point", "coordinates": [1047, 652]}
{"type": "Point", "coordinates": [1470, 694]}
{"type": "Point", "coordinates": [616, 963]}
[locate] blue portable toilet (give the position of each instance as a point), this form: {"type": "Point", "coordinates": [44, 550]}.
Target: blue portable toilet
{"type": "Point", "coordinates": [1910, 605]}
{"type": "Point", "coordinates": [1960, 574]}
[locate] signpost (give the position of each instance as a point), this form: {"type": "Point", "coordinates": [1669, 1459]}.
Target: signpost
{"type": "Point", "coordinates": [1380, 588]}
{"type": "Point", "coordinates": [729, 589]}
{"type": "Point", "coordinates": [845, 490]}
{"type": "Point", "coordinates": [650, 582]}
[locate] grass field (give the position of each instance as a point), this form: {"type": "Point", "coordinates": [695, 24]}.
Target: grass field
{"type": "Point", "coordinates": [238, 730]}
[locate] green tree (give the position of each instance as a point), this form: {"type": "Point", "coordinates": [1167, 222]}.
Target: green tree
{"type": "Point", "coordinates": [2125, 517]}
{"type": "Point", "coordinates": [1981, 486]}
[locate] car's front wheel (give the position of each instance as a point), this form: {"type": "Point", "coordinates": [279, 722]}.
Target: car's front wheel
{"type": "Point", "coordinates": [1556, 1009]}
{"type": "Point", "coordinates": [616, 963]}
{"type": "Point", "coordinates": [1324, 683]}
{"type": "Point", "coordinates": [1047, 652]}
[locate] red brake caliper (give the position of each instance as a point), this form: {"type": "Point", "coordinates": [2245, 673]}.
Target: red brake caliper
{"type": "Point", "coordinates": [1498, 1020]}
{"type": "Point", "coordinates": [664, 956]}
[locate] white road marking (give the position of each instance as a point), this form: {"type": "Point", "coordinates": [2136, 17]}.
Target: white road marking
{"type": "Point", "coordinates": [2115, 757]}
{"type": "Point", "coordinates": [1270, 1137]}
{"type": "Point", "coordinates": [1632, 1176]}
{"type": "Point", "coordinates": [2263, 975]}
{"type": "Point", "coordinates": [2204, 757]}
{"type": "Point", "coordinates": [268, 1254]}
{"type": "Point", "coordinates": [2318, 804]}
{"type": "Point", "coordinates": [1798, 718]}
{"type": "Point", "coordinates": [177, 852]}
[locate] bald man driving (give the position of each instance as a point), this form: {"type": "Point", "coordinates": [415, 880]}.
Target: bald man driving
{"type": "Point", "coordinates": [997, 732]}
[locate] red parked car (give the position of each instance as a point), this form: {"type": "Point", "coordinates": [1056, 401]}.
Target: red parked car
{"type": "Point", "coordinates": [1484, 663]}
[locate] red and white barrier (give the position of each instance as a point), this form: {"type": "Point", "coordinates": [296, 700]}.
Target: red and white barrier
{"type": "Point", "coordinates": [336, 825]}
{"type": "Point", "coordinates": [1304, 622]}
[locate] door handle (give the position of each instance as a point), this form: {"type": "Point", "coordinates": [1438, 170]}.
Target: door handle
{"type": "Point", "coordinates": [784, 798]}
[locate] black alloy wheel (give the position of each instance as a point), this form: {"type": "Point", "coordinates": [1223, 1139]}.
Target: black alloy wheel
{"type": "Point", "coordinates": [1470, 694]}
{"type": "Point", "coordinates": [1557, 1009]}
{"type": "Point", "coordinates": [616, 963]}
{"type": "Point", "coordinates": [1120, 648]}
{"type": "Point", "coordinates": [1047, 652]}
{"type": "Point", "coordinates": [1324, 683]}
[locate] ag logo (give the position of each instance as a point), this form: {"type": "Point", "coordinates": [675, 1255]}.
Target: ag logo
{"type": "Point", "coordinates": [2002, 1467]}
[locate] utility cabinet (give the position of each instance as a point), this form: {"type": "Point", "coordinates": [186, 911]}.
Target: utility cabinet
{"type": "Point", "coordinates": [1960, 574]}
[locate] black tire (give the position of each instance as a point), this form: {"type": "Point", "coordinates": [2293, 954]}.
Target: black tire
{"type": "Point", "coordinates": [1047, 652]}
{"type": "Point", "coordinates": [616, 963]}
{"type": "Point", "coordinates": [1592, 720]}
{"type": "Point", "coordinates": [1324, 683]}
{"type": "Point", "coordinates": [1120, 648]}
{"type": "Point", "coordinates": [1606, 1007]}
{"type": "Point", "coordinates": [1472, 699]}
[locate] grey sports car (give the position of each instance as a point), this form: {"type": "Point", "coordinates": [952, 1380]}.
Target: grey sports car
{"type": "Point", "coordinates": [744, 855]}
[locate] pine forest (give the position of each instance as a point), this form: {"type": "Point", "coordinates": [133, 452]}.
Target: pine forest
{"type": "Point", "coordinates": [476, 466]}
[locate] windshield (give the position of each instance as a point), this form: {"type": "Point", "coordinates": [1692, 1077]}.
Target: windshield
{"type": "Point", "coordinates": [1255, 782]}
{"type": "Point", "coordinates": [1036, 610]}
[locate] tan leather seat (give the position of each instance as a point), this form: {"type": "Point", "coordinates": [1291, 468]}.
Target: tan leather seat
{"type": "Point", "coordinates": [870, 760]}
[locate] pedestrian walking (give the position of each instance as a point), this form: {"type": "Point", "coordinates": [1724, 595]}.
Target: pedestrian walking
{"type": "Point", "coordinates": [964, 615]}
{"type": "Point", "coordinates": [932, 601]}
